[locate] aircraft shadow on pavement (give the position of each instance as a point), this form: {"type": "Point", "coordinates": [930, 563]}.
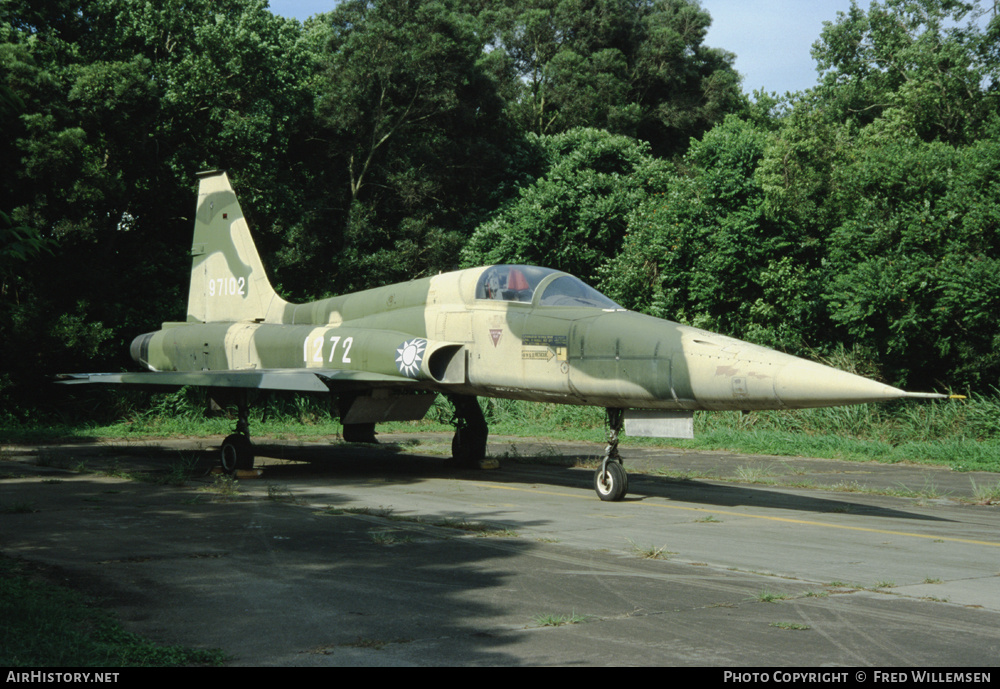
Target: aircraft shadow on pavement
{"type": "Point", "coordinates": [697, 491]}
{"type": "Point", "coordinates": [397, 463]}
{"type": "Point", "coordinates": [269, 579]}
{"type": "Point", "coordinates": [273, 582]}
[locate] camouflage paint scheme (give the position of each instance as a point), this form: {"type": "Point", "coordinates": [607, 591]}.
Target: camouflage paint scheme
{"type": "Point", "coordinates": [517, 332]}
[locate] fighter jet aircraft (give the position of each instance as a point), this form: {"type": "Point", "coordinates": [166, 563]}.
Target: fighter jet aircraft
{"type": "Point", "coordinates": [508, 331]}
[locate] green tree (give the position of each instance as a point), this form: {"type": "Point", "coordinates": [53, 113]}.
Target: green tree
{"type": "Point", "coordinates": [705, 250]}
{"type": "Point", "coordinates": [638, 68]}
{"type": "Point", "coordinates": [574, 216]}
{"type": "Point", "coordinates": [122, 102]}
{"type": "Point", "coordinates": [18, 243]}
{"type": "Point", "coordinates": [914, 269]}
{"type": "Point", "coordinates": [925, 67]}
{"type": "Point", "coordinates": [883, 166]}
{"type": "Point", "coordinates": [417, 133]}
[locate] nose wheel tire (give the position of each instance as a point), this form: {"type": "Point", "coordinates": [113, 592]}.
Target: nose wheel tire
{"type": "Point", "coordinates": [611, 482]}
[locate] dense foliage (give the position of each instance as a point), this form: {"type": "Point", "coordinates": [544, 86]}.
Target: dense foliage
{"type": "Point", "coordinates": [388, 139]}
{"type": "Point", "coordinates": [636, 68]}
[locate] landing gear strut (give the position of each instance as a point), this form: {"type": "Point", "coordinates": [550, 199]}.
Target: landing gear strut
{"type": "Point", "coordinates": [611, 479]}
{"type": "Point", "coordinates": [237, 450]}
{"type": "Point", "coordinates": [468, 447]}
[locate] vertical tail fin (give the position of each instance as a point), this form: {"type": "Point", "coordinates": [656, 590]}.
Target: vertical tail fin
{"type": "Point", "coordinates": [227, 277]}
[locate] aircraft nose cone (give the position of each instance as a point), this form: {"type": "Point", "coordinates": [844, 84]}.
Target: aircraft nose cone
{"type": "Point", "coordinates": [800, 383]}
{"type": "Point", "coordinates": [727, 373]}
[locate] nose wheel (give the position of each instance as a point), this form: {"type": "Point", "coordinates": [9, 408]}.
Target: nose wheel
{"type": "Point", "coordinates": [611, 479]}
{"type": "Point", "coordinates": [611, 482]}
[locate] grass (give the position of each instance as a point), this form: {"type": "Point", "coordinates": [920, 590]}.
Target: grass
{"type": "Point", "coordinates": [388, 538]}
{"type": "Point", "coordinates": [986, 495]}
{"type": "Point", "coordinates": [384, 512]}
{"type": "Point", "coordinates": [477, 528]}
{"type": "Point", "coordinates": [710, 519]}
{"type": "Point", "coordinates": [649, 552]}
{"type": "Point", "coordinates": [954, 433]}
{"type": "Point", "coordinates": [961, 434]}
{"type": "Point", "coordinates": [225, 487]}
{"type": "Point", "coordinates": [789, 626]}
{"type": "Point", "coordinates": [769, 596]}
{"type": "Point", "coordinates": [750, 474]}
{"type": "Point", "coordinates": [43, 625]}
{"type": "Point", "coordinates": [182, 470]}
{"type": "Point", "coordinates": [279, 494]}
{"type": "Point", "coordinates": [558, 620]}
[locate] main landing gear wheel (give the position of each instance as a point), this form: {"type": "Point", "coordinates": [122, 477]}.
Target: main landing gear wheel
{"type": "Point", "coordinates": [360, 433]}
{"type": "Point", "coordinates": [236, 454]}
{"type": "Point", "coordinates": [468, 446]}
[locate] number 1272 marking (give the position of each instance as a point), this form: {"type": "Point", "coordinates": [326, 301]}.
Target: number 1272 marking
{"type": "Point", "coordinates": [316, 344]}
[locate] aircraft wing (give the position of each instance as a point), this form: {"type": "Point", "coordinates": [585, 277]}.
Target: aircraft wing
{"type": "Point", "coordinates": [296, 380]}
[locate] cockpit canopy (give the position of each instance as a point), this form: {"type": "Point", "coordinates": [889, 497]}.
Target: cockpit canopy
{"type": "Point", "coordinates": [519, 283]}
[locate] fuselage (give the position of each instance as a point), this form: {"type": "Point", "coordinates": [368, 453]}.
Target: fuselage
{"type": "Point", "coordinates": [517, 332]}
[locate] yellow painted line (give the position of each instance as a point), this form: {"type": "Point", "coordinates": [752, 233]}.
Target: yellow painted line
{"type": "Point", "coordinates": [887, 532]}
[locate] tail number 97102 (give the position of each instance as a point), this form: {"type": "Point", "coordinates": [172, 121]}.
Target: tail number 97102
{"type": "Point", "coordinates": [222, 287]}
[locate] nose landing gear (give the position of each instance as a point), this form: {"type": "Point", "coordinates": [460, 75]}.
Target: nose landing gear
{"type": "Point", "coordinates": [611, 479]}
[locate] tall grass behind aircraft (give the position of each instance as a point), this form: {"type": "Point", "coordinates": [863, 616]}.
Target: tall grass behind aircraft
{"type": "Point", "coordinates": [507, 331]}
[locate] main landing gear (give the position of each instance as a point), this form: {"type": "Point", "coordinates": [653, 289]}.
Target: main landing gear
{"type": "Point", "coordinates": [236, 453]}
{"type": "Point", "coordinates": [611, 479]}
{"type": "Point", "coordinates": [468, 447]}
{"type": "Point", "coordinates": [359, 433]}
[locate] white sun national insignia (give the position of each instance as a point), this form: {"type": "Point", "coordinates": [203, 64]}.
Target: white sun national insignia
{"type": "Point", "coordinates": [409, 355]}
